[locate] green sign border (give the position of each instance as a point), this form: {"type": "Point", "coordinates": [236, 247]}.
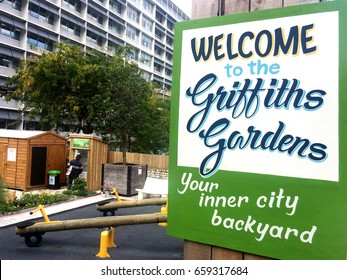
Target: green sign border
{"type": "Point", "coordinates": [81, 143]}
{"type": "Point", "coordinates": [323, 200]}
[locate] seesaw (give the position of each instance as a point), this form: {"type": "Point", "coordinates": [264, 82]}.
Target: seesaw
{"type": "Point", "coordinates": [111, 206]}
{"type": "Point", "coordinates": [32, 232]}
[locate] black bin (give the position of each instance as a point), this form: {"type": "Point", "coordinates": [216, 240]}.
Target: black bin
{"type": "Point", "coordinates": [54, 179]}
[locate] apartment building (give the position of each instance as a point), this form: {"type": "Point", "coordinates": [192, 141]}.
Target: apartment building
{"type": "Point", "coordinates": [29, 27]}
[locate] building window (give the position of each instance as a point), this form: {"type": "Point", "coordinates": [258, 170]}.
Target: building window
{"type": "Point", "coordinates": [133, 55]}
{"type": "Point", "coordinates": [159, 34]}
{"type": "Point", "coordinates": [41, 13]}
{"type": "Point", "coordinates": [146, 42]}
{"type": "Point", "coordinates": [158, 51]}
{"type": "Point", "coordinates": [148, 7]}
{"type": "Point", "coordinates": [168, 72]}
{"type": "Point", "coordinates": [74, 4]}
{"type": "Point", "coordinates": [32, 125]}
{"type": "Point", "coordinates": [3, 91]}
{"type": "Point", "coordinates": [160, 17]}
{"type": "Point", "coordinates": [16, 4]}
{"type": "Point", "coordinates": [70, 27]}
{"type": "Point", "coordinates": [95, 15]}
{"type": "Point", "coordinates": [9, 62]}
{"type": "Point", "coordinates": [169, 41]}
{"type": "Point", "coordinates": [115, 26]}
{"type": "Point", "coordinates": [146, 76]}
{"type": "Point", "coordinates": [133, 14]}
{"type": "Point", "coordinates": [94, 38]}
{"type": "Point", "coordinates": [147, 23]}
{"type": "Point", "coordinates": [3, 123]}
{"type": "Point", "coordinates": [132, 33]}
{"type": "Point", "coordinates": [116, 6]}
{"type": "Point", "coordinates": [9, 31]}
{"type": "Point", "coordinates": [8, 124]}
{"type": "Point", "coordinates": [168, 56]}
{"type": "Point", "coordinates": [170, 25]}
{"type": "Point", "coordinates": [38, 41]}
{"type": "Point", "coordinates": [113, 45]}
{"type": "Point", "coordinates": [146, 58]}
{"type": "Point", "coordinates": [157, 67]}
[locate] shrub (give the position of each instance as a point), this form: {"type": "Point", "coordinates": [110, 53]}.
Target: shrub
{"type": "Point", "coordinates": [79, 187]}
{"type": "Point", "coordinates": [2, 194]}
{"type": "Point", "coordinates": [29, 200]}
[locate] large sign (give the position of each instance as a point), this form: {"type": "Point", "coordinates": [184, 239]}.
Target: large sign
{"type": "Point", "coordinates": [258, 132]}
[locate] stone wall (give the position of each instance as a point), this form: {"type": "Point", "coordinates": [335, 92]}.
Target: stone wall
{"type": "Point", "coordinates": [158, 173]}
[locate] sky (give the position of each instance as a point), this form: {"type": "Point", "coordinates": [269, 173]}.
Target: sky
{"type": "Point", "coordinates": [184, 5]}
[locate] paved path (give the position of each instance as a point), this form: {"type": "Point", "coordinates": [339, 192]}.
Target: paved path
{"type": "Point", "coordinates": [137, 242]}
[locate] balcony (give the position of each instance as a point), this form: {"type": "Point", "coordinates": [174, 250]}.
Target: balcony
{"type": "Point", "coordinates": [9, 9]}
{"type": "Point", "coordinates": [8, 104]}
{"type": "Point", "coordinates": [9, 41]}
{"type": "Point", "coordinates": [6, 71]}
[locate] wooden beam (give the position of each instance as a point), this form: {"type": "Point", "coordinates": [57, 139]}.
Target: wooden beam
{"type": "Point", "coordinates": [93, 223]}
{"type": "Point", "coordinates": [131, 203]}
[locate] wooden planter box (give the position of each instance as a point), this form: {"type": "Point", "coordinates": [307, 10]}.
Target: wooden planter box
{"type": "Point", "coordinates": [125, 178]}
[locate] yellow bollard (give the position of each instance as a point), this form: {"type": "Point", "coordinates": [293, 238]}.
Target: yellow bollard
{"type": "Point", "coordinates": [163, 210]}
{"type": "Point", "coordinates": [116, 194]}
{"type": "Point", "coordinates": [103, 245]}
{"type": "Point", "coordinates": [43, 212]}
{"type": "Point", "coordinates": [110, 239]}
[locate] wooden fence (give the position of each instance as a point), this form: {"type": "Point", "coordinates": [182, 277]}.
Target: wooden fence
{"type": "Point", "coordinates": [153, 161]}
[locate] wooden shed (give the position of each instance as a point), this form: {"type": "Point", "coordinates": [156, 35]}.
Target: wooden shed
{"type": "Point", "coordinates": [93, 153]}
{"type": "Point", "coordinates": [27, 156]}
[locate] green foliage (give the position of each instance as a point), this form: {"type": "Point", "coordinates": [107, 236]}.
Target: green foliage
{"type": "Point", "coordinates": [29, 200]}
{"type": "Point", "coordinates": [58, 85]}
{"type": "Point", "coordinates": [2, 192]}
{"type": "Point", "coordinates": [79, 187]}
{"type": "Point", "coordinates": [153, 137]}
{"type": "Point", "coordinates": [93, 92]}
{"type": "Point", "coordinates": [130, 113]}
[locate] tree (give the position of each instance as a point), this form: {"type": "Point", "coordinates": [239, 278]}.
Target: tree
{"type": "Point", "coordinates": [58, 86]}
{"type": "Point", "coordinates": [95, 92]}
{"type": "Point", "coordinates": [131, 114]}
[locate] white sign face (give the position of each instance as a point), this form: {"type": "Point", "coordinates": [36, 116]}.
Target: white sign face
{"type": "Point", "coordinates": [11, 154]}
{"type": "Point", "coordinates": [51, 180]}
{"type": "Point", "coordinates": [252, 108]}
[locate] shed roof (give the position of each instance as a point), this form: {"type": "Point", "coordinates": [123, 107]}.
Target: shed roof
{"type": "Point", "coordinates": [20, 134]}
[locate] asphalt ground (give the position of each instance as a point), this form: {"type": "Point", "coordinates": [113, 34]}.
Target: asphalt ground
{"type": "Point", "coordinates": [134, 242]}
